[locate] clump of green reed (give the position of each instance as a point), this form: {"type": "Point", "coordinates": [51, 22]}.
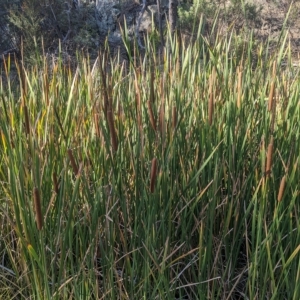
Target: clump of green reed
{"type": "Point", "coordinates": [211, 220]}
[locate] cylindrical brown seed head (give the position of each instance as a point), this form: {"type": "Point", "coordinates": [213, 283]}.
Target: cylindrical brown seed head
{"type": "Point", "coordinates": [272, 89]}
{"type": "Point", "coordinates": [281, 188]}
{"type": "Point", "coordinates": [38, 210]}
{"type": "Point", "coordinates": [153, 174]}
{"type": "Point", "coordinates": [271, 96]}
{"type": "Point", "coordinates": [269, 156]}
{"type": "Point", "coordinates": [113, 135]}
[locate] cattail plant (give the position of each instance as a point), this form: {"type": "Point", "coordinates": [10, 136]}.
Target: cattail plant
{"type": "Point", "coordinates": [37, 207]}
{"type": "Point", "coordinates": [153, 174]}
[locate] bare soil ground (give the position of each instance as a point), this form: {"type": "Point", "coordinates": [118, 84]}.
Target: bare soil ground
{"type": "Point", "coordinates": [269, 20]}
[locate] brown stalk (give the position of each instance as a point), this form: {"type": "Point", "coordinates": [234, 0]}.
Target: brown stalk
{"type": "Point", "coordinates": [55, 183]}
{"type": "Point", "coordinates": [151, 115]}
{"type": "Point", "coordinates": [272, 88]}
{"type": "Point", "coordinates": [73, 162]}
{"type": "Point", "coordinates": [37, 207]}
{"type": "Point", "coordinates": [152, 99]}
{"type": "Point", "coordinates": [112, 130]}
{"type": "Point", "coordinates": [162, 86]}
{"type": "Point", "coordinates": [153, 174]}
{"type": "Point", "coordinates": [27, 126]}
{"type": "Point", "coordinates": [162, 120]}
{"type": "Point", "coordinates": [281, 188]}
{"type": "Point", "coordinates": [269, 156]}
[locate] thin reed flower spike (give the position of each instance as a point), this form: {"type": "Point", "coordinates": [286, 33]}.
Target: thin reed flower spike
{"type": "Point", "coordinates": [153, 174]}
{"type": "Point", "coordinates": [37, 207]}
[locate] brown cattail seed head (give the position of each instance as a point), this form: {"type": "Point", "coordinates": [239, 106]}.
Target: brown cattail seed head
{"type": "Point", "coordinates": [281, 188]}
{"type": "Point", "coordinates": [153, 174]}
{"type": "Point", "coordinates": [113, 134]}
{"type": "Point", "coordinates": [269, 156]}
